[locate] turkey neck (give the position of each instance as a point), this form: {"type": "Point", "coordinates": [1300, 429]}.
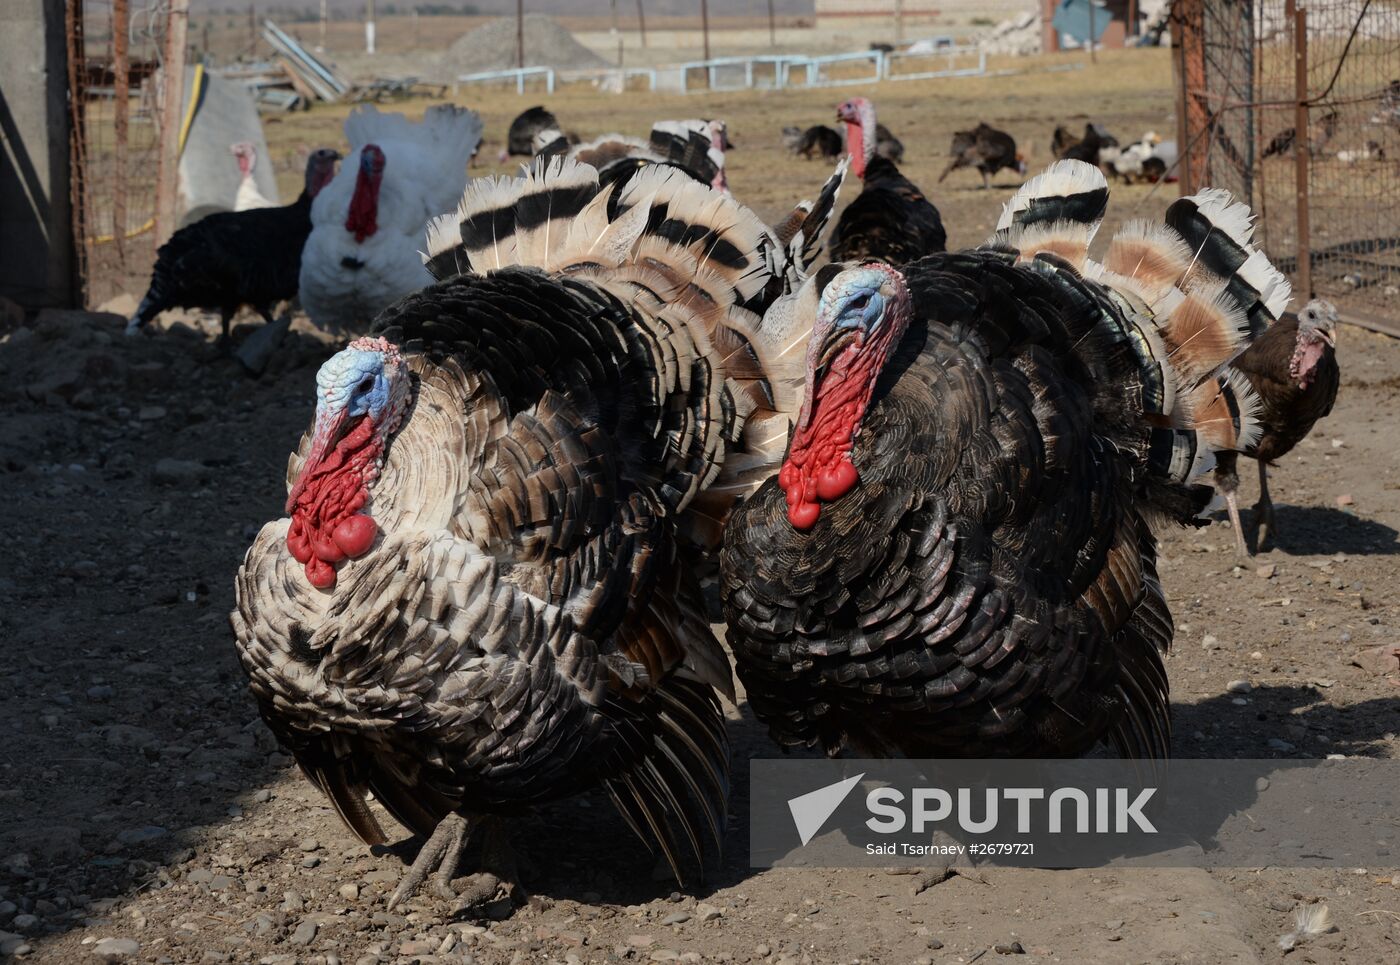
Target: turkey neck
{"type": "Point", "coordinates": [860, 140]}
{"type": "Point", "coordinates": [1307, 354]}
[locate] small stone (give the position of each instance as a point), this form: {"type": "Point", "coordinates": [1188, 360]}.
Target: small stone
{"type": "Point", "coordinates": [1267, 571]}
{"type": "Point", "coordinates": [262, 796]}
{"type": "Point", "coordinates": [1261, 784]}
{"type": "Point", "coordinates": [1211, 642]}
{"type": "Point", "coordinates": [1114, 925]}
{"type": "Point", "coordinates": [1345, 500]}
{"type": "Point", "coordinates": [677, 918]}
{"type": "Point", "coordinates": [116, 949]}
{"type": "Point", "coordinates": [708, 912]}
{"type": "Point", "coordinates": [1239, 687]}
{"type": "Point", "coordinates": [762, 951]}
{"type": "Point", "coordinates": [1008, 948]}
{"type": "Point", "coordinates": [305, 933]}
{"type": "Point", "coordinates": [150, 832]}
{"type": "Point", "coordinates": [309, 844]}
{"type": "Point", "coordinates": [151, 413]}
{"type": "Point", "coordinates": [418, 946]}
{"type": "Point", "coordinates": [1281, 745]}
{"type": "Point", "coordinates": [200, 876]}
{"type": "Point", "coordinates": [574, 939]}
{"type": "Point", "coordinates": [665, 955]}
{"type": "Point", "coordinates": [222, 883]}
{"type": "Point", "coordinates": [310, 862]}
{"type": "Point", "coordinates": [291, 901]}
{"type": "Point", "coordinates": [641, 941]}
{"type": "Point", "coordinates": [935, 944]}
{"type": "Point", "coordinates": [350, 892]}
{"type": "Point", "coordinates": [180, 472]}
{"type": "Point", "coordinates": [100, 693]}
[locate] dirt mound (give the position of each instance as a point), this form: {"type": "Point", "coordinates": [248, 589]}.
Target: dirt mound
{"type": "Point", "coordinates": [492, 47]}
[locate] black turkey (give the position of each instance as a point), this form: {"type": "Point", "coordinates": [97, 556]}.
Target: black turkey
{"type": "Point", "coordinates": [956, 559]}
{"type": "Point", "coordinates": [986, 149]}
{"type": "Point", "coordinates": [890, 220]}
{"type": "Point", "coordinates": [234, 258]}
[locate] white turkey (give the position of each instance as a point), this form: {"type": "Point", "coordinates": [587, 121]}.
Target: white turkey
{"type": "Point", "coordinates": [368, 224]}
{"type": "Point", "coordinates": [481, 598]}
{"type": "Point", "coordinates": [956, 558]}
{"type": "Point", "coordinates": [248, 196]}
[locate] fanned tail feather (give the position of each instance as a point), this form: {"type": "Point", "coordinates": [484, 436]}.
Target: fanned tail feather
{"type": "Point", "coordinates": [1056, 212]}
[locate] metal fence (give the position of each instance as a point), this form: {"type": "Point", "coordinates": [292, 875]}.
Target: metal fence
{"type": "Point", "coordinates": [1295, 105]}
{"type": "Point", "coordinates": [116, 51]}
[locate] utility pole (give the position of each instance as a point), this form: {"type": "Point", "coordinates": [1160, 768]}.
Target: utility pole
{"type": "Point", "coordinates": [172, 102]}
{"type": "Point", "coordinates": [899, 21]}
{"type": "Point", "coordinates": [1093, 57]}
{"type": "Point", "coordinates": [705, 25]}
{"type": "Point", "coordinates": [520, 33]}
{"type": "Point", "coordinates": [369, 26]}
{"type": "Point", "coordinates": [772, 30]}
{"type": "Point", "coordinates": [642, 23]}
{"type": "Point", "coordinates": [321, 44]}
{"type": "Point", "coordinates": [617, 34]}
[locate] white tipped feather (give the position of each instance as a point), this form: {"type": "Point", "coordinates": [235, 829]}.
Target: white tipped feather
{"type": "Point", "coordinates": [444, 233]}
{"type": "Point", "coordinates": [1061, 179]}
{"type": "Point", "coordinates": [1228, 215]}
{"type": "Point", "coordinates": [1274, 290]}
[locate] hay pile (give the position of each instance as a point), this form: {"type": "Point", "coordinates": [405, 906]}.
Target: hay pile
{"type": "Point", "coordinates": [492, 47]}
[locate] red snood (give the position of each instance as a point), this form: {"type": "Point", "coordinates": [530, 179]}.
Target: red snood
{"type": "Point", "coordinates": [327, 525]}
{"type": "Point", "coordinates": [364, 206]}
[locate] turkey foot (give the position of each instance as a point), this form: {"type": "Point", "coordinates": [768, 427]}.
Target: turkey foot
{"type": "Point", "coordinates": [443, 850]}
{"type": "Point", "coordinates": [497, 881]}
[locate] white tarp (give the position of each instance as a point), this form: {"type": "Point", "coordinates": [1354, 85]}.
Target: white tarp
{"type": "Point", "coordinates": [209, 176]}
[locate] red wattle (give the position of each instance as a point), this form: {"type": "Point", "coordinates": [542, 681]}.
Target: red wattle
{"type": "Point", "coordinates": [835, 482]}
{"type": "Point", "coordinates": [355, 535]}
{"type": "Point", "coordinates": [326, 549]}
{"type": "Point", "coordinates": [297, 542]}
{"type": "Point", "coordinates": [803, 515]}
{"type": "Point", "coordinates": [320, 574]}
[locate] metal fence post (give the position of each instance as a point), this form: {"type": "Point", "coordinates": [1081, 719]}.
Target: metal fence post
{"type": "Point", "coordinates": [168, 170]}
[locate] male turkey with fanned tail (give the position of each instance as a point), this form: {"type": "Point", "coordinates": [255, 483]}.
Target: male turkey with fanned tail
{"type": "Point", "coordinates": [481, 599]}
{"type": "Point", "coordinates": [956, 558]}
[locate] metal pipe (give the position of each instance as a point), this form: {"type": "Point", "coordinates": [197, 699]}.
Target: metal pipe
{"type": "Point", "coordinates": [173, 75]}
{"type": "Point", "coordinates": [121, 94]}
{"type": "Point", "coordinates": [520, 33]}
{"type": "Point", "coordinates": [1302, 143]}
{"type": "Point", "coordinates": [705, 27]}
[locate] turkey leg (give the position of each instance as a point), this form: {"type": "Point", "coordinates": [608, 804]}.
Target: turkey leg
{"type": "Point", "coordinates": [1227, 480]}
{"type": "Point", "coordinates": [442, 851]}
{"type": "Point", "coordinates": [499, 875]}
{"type": "Point", "coordinates": [1265, 508]}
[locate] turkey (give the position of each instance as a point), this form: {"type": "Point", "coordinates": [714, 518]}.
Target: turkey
{"type": "Point", "coordinates": [887, 145]}
{"type": "Point", "coordinates": [1292, 368]}
{"type": "Point", "coordinates": [816, 141]}
{"type": "Point", "coordinates": [248, 196]}
{"type": "Point", "coordinates": [234, 258]}
{"type": "Point", "coordinates": [890, 220]}
{"type": "Point", "coordinates": [520, 141]}
{"type": "Point", "coordinates": [482, 597]}
{"type": "Point", "coordinates": [695, 147]}
{"type": "Point", "coordinates": [1066, 146]}
{"type": "Point", "coordinates": [986, 149]}
{"type": "Point", "coordinates": [367, 225]}
{"type": "Point", "coordinates": [956, 558]}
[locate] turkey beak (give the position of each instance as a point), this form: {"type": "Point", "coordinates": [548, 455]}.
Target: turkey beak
{"type": "Point", "coordinates": [329, 431]}
{"type": "Point", "coordinates": [1329, 335]}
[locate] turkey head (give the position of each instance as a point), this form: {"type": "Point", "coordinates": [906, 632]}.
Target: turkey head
{"type": "Point", "coordinates": [861, 318]}
{"type": "Point", "coordinates": [362, 394]}
{"type": "Point", "coordinates": [1317, 332]}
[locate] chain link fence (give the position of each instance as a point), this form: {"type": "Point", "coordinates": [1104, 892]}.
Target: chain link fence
{"type": "Point", "coordinates": [1252, 75]}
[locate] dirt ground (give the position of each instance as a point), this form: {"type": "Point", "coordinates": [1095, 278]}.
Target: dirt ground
{"type": "Point", "coordinates": [146, 814]}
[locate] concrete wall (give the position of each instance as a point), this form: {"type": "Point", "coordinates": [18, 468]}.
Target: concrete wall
{"type": "Point", "coordinates": [36, 245]}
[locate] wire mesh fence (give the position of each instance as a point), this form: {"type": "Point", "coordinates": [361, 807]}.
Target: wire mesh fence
{"type": "Point", "coordinates": [1295, 105]}
{"type": "Point", "coordinates": [115, 47]}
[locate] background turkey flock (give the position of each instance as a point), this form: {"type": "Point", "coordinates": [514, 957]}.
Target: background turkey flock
{"type": "Point", "coordinates": [925, 482]}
